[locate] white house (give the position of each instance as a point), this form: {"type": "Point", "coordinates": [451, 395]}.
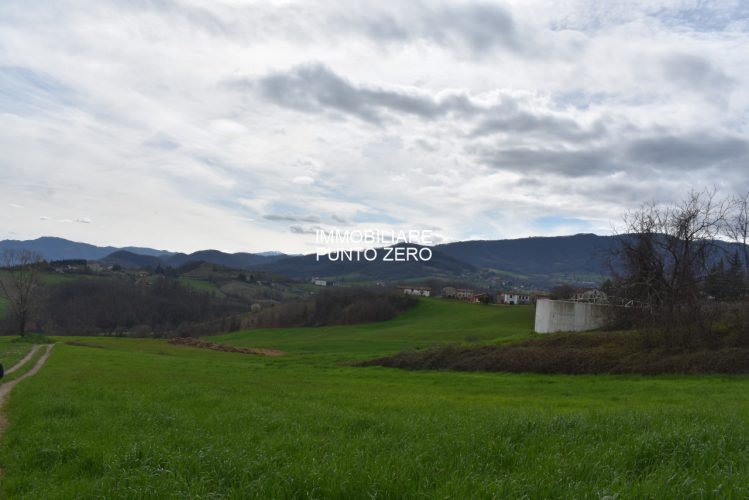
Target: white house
{"type": "Point", "coordinates": [514, 298]}
{"type": "Point", "coordinates": [421, 291]}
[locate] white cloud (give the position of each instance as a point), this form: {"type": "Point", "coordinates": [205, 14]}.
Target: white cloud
{"type": "Point", "coordinates": [476, 118]}
{"type": "Point", "coordinates": [303, 180]}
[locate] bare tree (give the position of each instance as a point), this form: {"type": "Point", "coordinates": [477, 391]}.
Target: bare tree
{"type": "Point", "coordinates": [737, 225]}
{"type": "Point", "coordinates": [665, 253]}
{"type": "Point", "coordinates": [18, 282]}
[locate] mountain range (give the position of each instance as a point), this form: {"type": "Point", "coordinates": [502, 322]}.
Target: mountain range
{"type": "Point", "coordinates": [582, 254]}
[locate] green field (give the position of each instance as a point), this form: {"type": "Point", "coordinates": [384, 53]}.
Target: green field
{"type": "Point", "coordinates": [431, 323]}
{"type": "Point", "coordinates": [123, 418]}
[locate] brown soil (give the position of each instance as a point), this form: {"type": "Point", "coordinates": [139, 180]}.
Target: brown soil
{"type": "Point", "coordinates": [191, 342]}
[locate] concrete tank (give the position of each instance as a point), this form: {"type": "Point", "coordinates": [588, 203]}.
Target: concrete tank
{"type": "Point", "coordinates": [568, 316]}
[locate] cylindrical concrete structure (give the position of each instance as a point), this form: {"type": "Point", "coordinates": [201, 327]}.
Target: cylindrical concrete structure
{"type": "Point", "coordinates": [569, 316]}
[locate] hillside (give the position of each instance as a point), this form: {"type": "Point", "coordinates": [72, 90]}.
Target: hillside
{"type": "Point", "coordinates": [581, 253]}
{"type": "Point", "coordinates": [431, 322]}
{"type": "Point", "coordinates": [307, 266]}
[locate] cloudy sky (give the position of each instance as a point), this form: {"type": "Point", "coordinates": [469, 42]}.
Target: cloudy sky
{"type": "Point", "coordinates": [245, 126]}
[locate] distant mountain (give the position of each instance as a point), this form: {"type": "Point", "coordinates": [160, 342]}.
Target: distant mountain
{"type": "Point", "coordinates": [541, 256]}
{"type": "Point", "coordinates": [240, 260]}
{"type": "Point", "coordinates": [581, 253]}
{"type": "Point", "coordinates": [132, 260]}
{"type": "Point", "coordinates": [51, 248]}
{"type": "Point", "coordinates": [539, 260]}
{"type": "Point", "coordinates": [306, 266]}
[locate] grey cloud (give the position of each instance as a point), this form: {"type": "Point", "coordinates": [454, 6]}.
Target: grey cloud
{"type": "Point", "coordinates": [548, 126]}
{"type": "Point", "coordinates": [338, 219]}
{"type": "Point", "coordinates": [314, 87]}
{"type": "Point", "coordinates": [193, 15]}
{"type": "Point", "coordinates": [564, 162]}
{"type": "Point", "coordinates": [305, 230]}
{"type": "Point", "coordinates": [291, 218]}
{"type": "Point", "coordinates": [478, 27]}
{"type": "Point", "coordinates": [699, 75]}
{"type": "Point", "coordinates": [687, 152]}
{"type": "Point", "coordinates": [482, 26]}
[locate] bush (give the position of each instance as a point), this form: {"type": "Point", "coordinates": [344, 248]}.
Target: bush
{"type": "Point", "coordinates": [33, 338]}
{"type": "Point", "coordinates": [343, 306]}
{"type": "Point", "coordinates": [647, 352]}
{"type": "Point", "coordinates": [122, 307]}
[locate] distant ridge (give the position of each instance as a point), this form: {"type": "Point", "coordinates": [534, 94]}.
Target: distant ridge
{"type": "Point", "coordinates": [53, 248]}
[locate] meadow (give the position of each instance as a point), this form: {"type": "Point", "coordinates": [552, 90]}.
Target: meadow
{"type": "Point", "coordinates": [136, 418]}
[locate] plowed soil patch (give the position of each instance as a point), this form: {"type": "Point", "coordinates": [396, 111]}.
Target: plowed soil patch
{"type": "Point", "coordinates": [191, 342]}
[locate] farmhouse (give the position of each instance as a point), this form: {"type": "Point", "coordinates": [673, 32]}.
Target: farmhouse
{"type": "Point", "coordinates": [464, 293]}
{"type": "Point", "coordinates": [481, 298]}
{"type": "Point", "coordinates": [421, 291]}
{"type": "Point", "coordinates": [514, 298]}
{"type": "Point", "coordinates": [449, 292]}
{"type": "Point", "coordinates": [319, 282]}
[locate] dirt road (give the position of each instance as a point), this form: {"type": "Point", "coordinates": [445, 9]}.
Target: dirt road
{"type": "Point", "coordinates": [6, 387]}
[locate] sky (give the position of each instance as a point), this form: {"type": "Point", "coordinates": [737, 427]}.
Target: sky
{"type": "Point", "coordinates": [249, 126]}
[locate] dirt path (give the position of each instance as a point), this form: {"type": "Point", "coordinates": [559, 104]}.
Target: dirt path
{"type": "Point", "coordinates": [28, 356]}
{"type": "Point", "coordinates": [8, 386]}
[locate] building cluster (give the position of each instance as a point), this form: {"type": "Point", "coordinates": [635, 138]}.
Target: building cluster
{"type": "Point", "coordinates": [475, 296]}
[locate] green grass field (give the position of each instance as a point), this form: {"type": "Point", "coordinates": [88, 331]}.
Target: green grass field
{"type": "Point", "coordinates": [123, 418]}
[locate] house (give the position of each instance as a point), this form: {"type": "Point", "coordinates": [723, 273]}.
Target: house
{"type": "Point", "coordinates": [319, 282]}
{"type": "Point", "coordinates": [421, 291]}
{"type": "Point", "coordinates": [594, 296]}
{"type": "Point", "coordinates": [464, 293]}
{"type": "Point", "coordinates": [481, 298]}
{"type": "Point", "coordinates": [448, 292]}
{"type": "Point", "coordinates": [515, 298]}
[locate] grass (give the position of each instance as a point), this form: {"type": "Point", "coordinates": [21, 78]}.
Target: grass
{"type": "Point", "coordinates": [202, 285]}
{"type": "Point", "coordinates": [133, 418]}
{"type": "Point", "coordinates": [431, 322]}
{"type": "Point", "coordinates": [26, 367]}
{"type": "Point", "coordinates": [12, 352]}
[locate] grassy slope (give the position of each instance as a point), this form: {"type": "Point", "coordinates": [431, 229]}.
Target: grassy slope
{"type": "Point", "coordinates": [431, 322]}
{"type": "Point", "coordinates": [144, 419]}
